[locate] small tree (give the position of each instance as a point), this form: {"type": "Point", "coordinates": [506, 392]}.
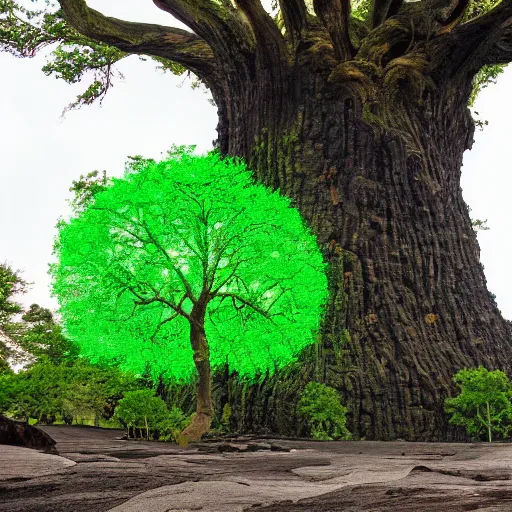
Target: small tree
{"type": "Point", "coordinates": [484, 404]}
{"type": "Point", "coordinates": [320, 406]}
{"type": "Point", "coordinates": [142, 409]}
{"type": "Point", "coordinates": [187, 265]}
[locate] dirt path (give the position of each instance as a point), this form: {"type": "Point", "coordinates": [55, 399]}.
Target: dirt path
{"type": "Point", "coordinates": [96, 472]}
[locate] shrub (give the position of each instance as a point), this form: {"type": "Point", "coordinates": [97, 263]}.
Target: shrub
{"type": "Point", "coordinates": [141, 409]}
{"type": "Point", "coordinates": [326, 417]}
{"type": "Point", "coordinates": [170, 428]}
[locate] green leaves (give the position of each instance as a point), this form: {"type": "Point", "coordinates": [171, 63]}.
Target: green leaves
{"type": "Point", "coordinates": [11, 284]}
{"type": "Point", "coordinates": [488, 75]}
{"type": "Point", "coordinates": [484, 404]}
{"type": "Point", "coordinates": [25, 32]}
{"type": "Point", "coordinates": [62, 390]}
{"type": "Point", "coordinates": [141, 407]}
{"type": "Point", "coordinates": [135, 263]}
{"type": "Point", "coordinates": [320, 406]}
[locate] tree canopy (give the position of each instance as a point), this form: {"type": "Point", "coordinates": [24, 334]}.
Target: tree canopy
{"type": "Point", "coordinates": [133, 266]}
{"type": "Point", "coordinates": [226, 31]}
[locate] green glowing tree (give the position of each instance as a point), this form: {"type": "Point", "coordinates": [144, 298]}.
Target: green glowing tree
{"type": "Point", "coordinates": [187, 265]}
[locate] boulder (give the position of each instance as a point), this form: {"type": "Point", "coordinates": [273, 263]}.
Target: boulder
{"type": "Point", "coordinates": [18, 433]}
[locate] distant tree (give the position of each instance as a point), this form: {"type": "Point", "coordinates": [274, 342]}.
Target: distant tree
{"type": "Point", "coordinates": [484, 405]}
{"type": "Point", "coordinates": [47, 391]}
{"type": "Point", "coordinates": [40, 335]}
{"type": "Point", "coordinates": [35, 393]}
{"type": "Point", "coordinates": [11, 284]}
{"type": "Point", "coordinates": [187, 265]}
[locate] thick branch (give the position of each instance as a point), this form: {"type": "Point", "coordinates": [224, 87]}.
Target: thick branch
{"type": "Point", "coordinates": [143, 301]}
{"type": "Point", "coordinates": [220, 26]}
{"type": "Point", "coordinates": [169, 43]}
{"type": "Point", "coordinates": [295, 16]}
{"type": "Point", "coordinates": [334, 14]}
{"type": "Point", "coordinates": [384, 9]}
{"type": "Point", "coordinates": [268, 37]}
{"type": "Point", "coordinates": [485, 40]}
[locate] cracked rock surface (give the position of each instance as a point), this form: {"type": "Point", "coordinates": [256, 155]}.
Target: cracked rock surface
{"type": "Point", "coordinates": [95, 472]}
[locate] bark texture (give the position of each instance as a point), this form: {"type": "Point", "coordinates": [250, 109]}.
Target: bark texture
{"type": "Point", "coordinates": [202, 420]}
{"type": "Point", "coordinates": [363, 125]}
{"type": "Point", "coordinates": [380, 185]}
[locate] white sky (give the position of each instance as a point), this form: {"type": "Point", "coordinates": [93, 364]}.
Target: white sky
{"type": "Point", "coordinates": [42, 154]}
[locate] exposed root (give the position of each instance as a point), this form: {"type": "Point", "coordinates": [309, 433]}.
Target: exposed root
{"type": "Point", "coordinates": [199, 425]}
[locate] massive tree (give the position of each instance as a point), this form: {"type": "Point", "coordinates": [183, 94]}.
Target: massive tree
{"type": "Point", "coordinates": [362, 120]}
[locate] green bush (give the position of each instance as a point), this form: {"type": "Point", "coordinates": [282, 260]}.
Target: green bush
{"type": "Point", "coordinates": [320, 406]}
{"type": "Point", "coordinates": [484, 405]}
{"type": "Point", "coordinates": [170, 428]}
{"type": "Point", "coordinates": [143, 410]}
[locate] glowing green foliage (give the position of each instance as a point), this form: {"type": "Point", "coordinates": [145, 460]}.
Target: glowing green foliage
{"type": "Point", "coordinates": [320, 406]}
{"type": "Point", "coordinates": [153, 245]}
{"type": "Point", "coordinates": [484, 405]}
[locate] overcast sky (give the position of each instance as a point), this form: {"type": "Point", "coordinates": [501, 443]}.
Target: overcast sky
{"type": "Point", "coordinates": [42, 154]}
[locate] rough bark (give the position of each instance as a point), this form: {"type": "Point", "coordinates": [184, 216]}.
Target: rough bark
{"type": "Point", "coordinates": [202, 420]}
{"type": "Point", "coordinates": [381, 188]}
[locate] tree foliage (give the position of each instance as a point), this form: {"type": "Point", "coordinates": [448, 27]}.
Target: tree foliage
{"type": "Point", "coordinates": [484, 405]}
{"type": "Point", "coordinates": [11, 284]}
{"type": "Point", "coordinates": [39, 335]}
{"type": "Point", "coordinates": [74, 389]}
{"type": "Point", "coordinates": [142, 409]}
{"type": "Point", "coordinates": [85, 188]}
{"type": "Point", "coordinates": [132, 267]}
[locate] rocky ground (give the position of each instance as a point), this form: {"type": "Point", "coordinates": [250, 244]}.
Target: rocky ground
{"type": "Point", "coordinates": [94, 470]}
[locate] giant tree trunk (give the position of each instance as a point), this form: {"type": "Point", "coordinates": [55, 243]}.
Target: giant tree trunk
{"type": "Point", "coordinates": [380, 186]}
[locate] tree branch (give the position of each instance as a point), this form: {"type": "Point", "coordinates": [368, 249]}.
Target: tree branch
{"type": "Point", "coordinates": [220, 26]}
{"type": "Point", "coordinates": [143, 301]}
{"type": "Point", "coordinates": [384, 9]}
{"type": "Point", "coordinates": [169, 43]}
{"type": "Point", "coordinates": [176, 269]}
{"type": "Point", "coordinates": [269, 39]}
{"type": "Point", "coordinates": [486, 40]}
{"type": "Point", "coordinates": [334, 14]}
{"type": "Point", "coordinates": [246, 303]}
{"type": "Point", "coordinates": [295, 15]}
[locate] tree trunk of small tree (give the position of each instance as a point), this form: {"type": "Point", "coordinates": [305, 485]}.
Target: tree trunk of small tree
{"type": "Point", "coordinates": [380, 186]}
{"type": "Point", "coordinates": [202, 420]}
